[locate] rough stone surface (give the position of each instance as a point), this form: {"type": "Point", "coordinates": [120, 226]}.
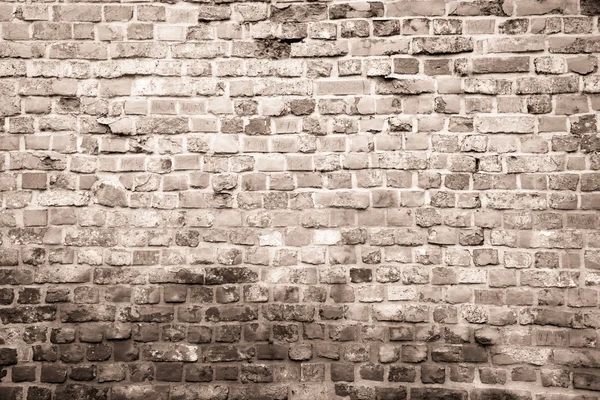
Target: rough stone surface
{"type": "Point", "coordinates": [299, 200]}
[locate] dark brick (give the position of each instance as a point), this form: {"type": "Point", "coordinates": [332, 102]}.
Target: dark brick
{"type": "Point", "coordinates": [169, 372]}
{"type": "Point", "coordinates": [371, 372]}
{"type": "Point", "coordinates": [27, 314]}
{"type": "Point", "coordinates": [198, 373]}
{"type": "Point", "coordinates": [125, 351]}
{"type": "Point", "coordinates": [224, 275]}
{"type": "Point", "coordinates": [227, 373]}
{"type": "Point", "coordinates": [437, 394]}
{"type": "Point", "coordinates": [256, 374]}
{"type": "Point", "coordinates": [39, 393]}
{"type": "Point", "coordinates": [23, 373]}
{"type": "Point", "coordinates": [83, 373]}
{"type": "Point", "coordinates": [98, 352]}
{"type": "Point", "coordinates": [45, 352]}
{"type": "Point", "coordinates": [271, 351]}
{"type": "Point", "coordinates": [7, 296]}
{"type": "Point", "coordinates": [141, 372]}
{"type": "Point", "coordinates": [391, 393]}
{"type": "Point", "coordinates": [231, 313]}
{"type": "Point", "coordinates": [8, 356]}
{"type": "Point", "coordinates": [433, 374]}
{"type": "Point", "coordinates": [52, 373]}
{"type": "Point", "coordinates": [11, 393]}
{"type": "Point", "coordinates": [398, 373]}
{"type": "Point", "coordinates": [499, 394]}
{"type": "Point", "coordinates": [81, 392]}
{"type": "Point", "coordinates": [342, 372]}
{"type": "Point", "coordinates": [590, 7]}
{"type": "Point", "coordinates": [586, 381]}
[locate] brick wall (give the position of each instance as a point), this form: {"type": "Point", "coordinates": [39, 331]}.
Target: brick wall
{"type": "Point", "coordinates": [309, 200]}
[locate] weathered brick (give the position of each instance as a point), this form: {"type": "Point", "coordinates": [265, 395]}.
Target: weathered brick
{"type": "Point", "coordinates": [356, 10]}
{"type": "Point", "coordinates": [299, 13]}
{"type": "Point", "coordinates": [139, 392]}
{"type": "Point", "coordinates": [84, 392]}
{"type": "Point", "coordinates": [504, 124]}
{"type": "Point", "coordinates": [586, 381]}
{"type": "Point", "coordinates": [441, 45]}
{"type": "Point", "coordinates": [415, 8]}
{"type": "Point", "coordinates": [438, 393]}
{"type": "Point", "coordinates": [517, 44]}
{"type": "Point", "coordinates": [494, 65]}
{"type": "Point", "coordinates": [551, 85]}
{"type": "Point", "coordinates": [481, 394]}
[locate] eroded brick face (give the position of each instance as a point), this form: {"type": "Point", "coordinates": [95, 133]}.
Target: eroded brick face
{"type": "Point", "coordinates": [312, 200]}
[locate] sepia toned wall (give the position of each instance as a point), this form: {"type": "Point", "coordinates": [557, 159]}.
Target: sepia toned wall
{"type": "Point", "coordinates": [299, 200]}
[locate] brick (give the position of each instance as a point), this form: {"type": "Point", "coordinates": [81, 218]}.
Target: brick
{"type": "Point", "coordinates": [549, 85]}
{"type": "Point", "coordinates": [504, 124]}
{"type": "Point", "coordinates": [411, 86]}
{"type": "Point", "coordinates": [437, 393]}
{"type": "Point", "coordinates": [299, 13]}
{"type": "Point", "coordinates": [585, 381]}
{"type": "Point", "coordinates": [76, 12]}
{"type": "Point", "coordinates": [499, 393]}
{"type": "Point", "coordinates": [441, 45]}
{"type": "Point", "coordinates": [138, 392]}
{"type": "Point", "coordinates": [312, 49]}
{"type": "Point", "coordinates": [415, 8]}
{"type": "Point", "coordinates": [493, 65]}
{"type": "Point", "coordinates": [519, 44]}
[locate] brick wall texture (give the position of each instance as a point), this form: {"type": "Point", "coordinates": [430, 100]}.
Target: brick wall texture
{"type": "Point", "coordinates": [314, 200]}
